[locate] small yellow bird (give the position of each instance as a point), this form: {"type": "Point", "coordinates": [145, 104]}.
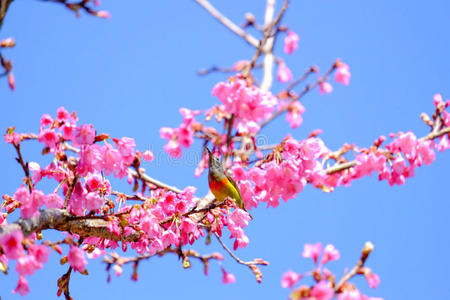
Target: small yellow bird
{"type": "Point", "coordinates": [222, 185]}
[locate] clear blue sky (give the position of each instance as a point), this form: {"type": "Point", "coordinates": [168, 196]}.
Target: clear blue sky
{"type": "Point", "coordinates": [128, 76]}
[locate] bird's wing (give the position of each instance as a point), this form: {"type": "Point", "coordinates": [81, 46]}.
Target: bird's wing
{"type": "Point", "coordinates": [235, 185]}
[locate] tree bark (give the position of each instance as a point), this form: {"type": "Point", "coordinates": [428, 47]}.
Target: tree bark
{"type": "Point", "coordinates": [61, 220]}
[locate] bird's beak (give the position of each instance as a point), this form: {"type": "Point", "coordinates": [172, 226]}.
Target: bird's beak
{"type": "Point", "coordinates": [207, 151]}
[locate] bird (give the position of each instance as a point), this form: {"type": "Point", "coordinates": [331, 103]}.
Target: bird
{"type": "Point", "coordinates": [222, 185]}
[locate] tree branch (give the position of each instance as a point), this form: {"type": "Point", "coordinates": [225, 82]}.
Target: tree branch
{"type": "Point", "coordinates": [147, 179]}
{"type": "Point", "coordinates": [228, 23]}
{"type": "Point", "coordinates": [299, 96]}
{"type": "Point", "coordinates": [347, 165]}
{"type": "Point", "coordinates": [62, 220]}
{"type": "Point", "coordinates": [368, 247]}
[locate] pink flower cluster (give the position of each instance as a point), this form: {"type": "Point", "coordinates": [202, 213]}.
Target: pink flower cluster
{"type": "Point", "coordinates": [324, 287]}
{"type": "Point", "coordinates": [249, 104]}
{"type": "Point", "coordinates": [12, 247]}
{"type": "Point", "coordinates": [183, 136]}
{"type": "Point", "coordinates": [283, 178]}
{"type": "Point", "coordinates": [31, 202]}
{"type": "Point", "coordinates": [406, 152]}
{"type": "Point", "coordinates": [93, 161]}
{"type": "Point", "coordinates": [296, 163]}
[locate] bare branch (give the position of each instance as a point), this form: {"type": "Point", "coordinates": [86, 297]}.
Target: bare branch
{"type": "Point", "coordinates": [302, 93]}
{"type": "Point", "coordinates": [228, 23]}
{"type": "Point", "coordinates": [368, 247]}
{"type": "Point", "coordinates": [147, 179]}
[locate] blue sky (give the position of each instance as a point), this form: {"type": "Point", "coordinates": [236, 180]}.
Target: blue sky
{"type": "Point", "coordinates": [129, 75]}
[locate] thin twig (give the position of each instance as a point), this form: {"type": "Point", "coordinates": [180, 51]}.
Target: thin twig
{"type": "Point", "coordinates": [228, 23]}
{"type": "Point", "coordinates": [223, 70]}
{"type": "Point", "coordinates": [130, 197]}
{"type": "Point", "coordinates": [147, 179]}
{"type": "Point", "coordinates": [299, 96]}
{"type": "Point", "coordinates": [237, 259]}
{"type": "Point", "coordinates": [25, 168]}
{"type": "Point", "coordinates": [368, 247]}
{"type": "Point", "coordinates": [262, 48]}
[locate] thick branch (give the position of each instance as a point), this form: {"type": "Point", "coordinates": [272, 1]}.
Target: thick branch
{"type": "Point", "coordinates": [61, 220]}
{"type": "Point", "coordinates": [228, 23]}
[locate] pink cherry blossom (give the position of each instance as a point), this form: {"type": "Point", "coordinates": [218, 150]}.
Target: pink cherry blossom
{"type": "Point", "coordinates": [103, 14]}
{"type": "Point", "coordinates": [84, 134]}
{"type": "Point", "coordinates": [173, 148]}
{"type": "Point", "coordinates": [68, 130]}
{"type": "Point", "coordinates": [76, 258]}
{"type": "Point", "coordinates": [325, 88]}
{"type": "Point", "coordinates": [49, 138]}
{"type": "Point", "coordinates": [113, 162]}
{"type": "Point", "coordinates": [322, 291]}
{"type": "Point", "coordinates": [166, 133]}
{"type": "Point", "coordinates": [342, 74]}
{"type": "Point", "coordinates": [241, 240]}
{"type": "Point", "coordinates": [425, 149]}
{"type": "Point", "coordinates": [29, 203]}
{"type": "Point", "coordinates": [54, 201]}
{"type": "Point", "coordinates": [148, 155]}
{"type": "Point", "coordinates": [77, 200]}
{"type": "Point", "coordinates": [93, 201]}
{"type": "Point", "coordinates": [117, 270]}
{"type": "Point", "coordinates": [443, 144]}
{"type": "Point", "coordinates": [240, 217]}
{"type": "Point", "coordinates": [46, 120]}
{"type": "Point", "coordinates": [91, 159]}
{"type": "Point", "coordinates": [291, 42]}
{"type": "Point", "coordinates": [62, 114]}
{"type": "Point", "coordinates": [126, 147]}
{"type": "Point", "coordinates": [227, 277]}
{"type": "Point", "coordinates": [188, 115]}
{"type": "Point", "coordinates": [26, 265]}
{"type": "Point", "coordinates": [329, 253]}
{"type": "Point", "coordinates": [312, 251]}
{"type": "Point", "coordinates": [12, 138]}
{"type": "Point", "coordinates": [36, 170]}
{"type": "Point", "coordinates": [350, 295]}
{"type": "Point", "coordinates": [289, 279]}
{"type": "Point", "coordinates": [12, 244]}
{"type": "Point", "coordinates": [284, 74]}
{"type": "Point", "coordinates": [294, 115]}
{"type": "Point", "coordinates": [372, 279]}
{"type": "Point", "coordinates": [437, 100]}
{"type": "Point", "coordinates": [185, 135]}
{"type": "Point", "coordinates": [249, 104]}
{"type": "Point", "coordinates": [22, 287]}
{"type": "Point", "coordinates": [11, 81]}
{"type": "Point", "coordinates": [39, 252]}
